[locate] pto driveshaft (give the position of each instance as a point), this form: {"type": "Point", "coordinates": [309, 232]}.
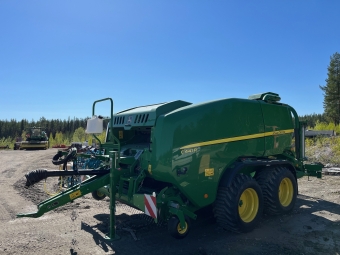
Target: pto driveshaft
{"type": "Point", "coordinates": [36, 176]}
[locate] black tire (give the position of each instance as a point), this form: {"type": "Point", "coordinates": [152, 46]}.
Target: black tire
{"type": "Point", "coordinates": [97, 195]}
{"type": "Point", "coordinates": [175, 230]}
{"type": "Point", "coordinates": [279, 188]}
{"type": "Point", "coordinates": [238, 208]}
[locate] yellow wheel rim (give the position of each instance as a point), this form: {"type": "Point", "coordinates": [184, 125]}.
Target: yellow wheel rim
{"type": "Point", "coordinates": [180, 230]}
{"type": "Point", "coordinates": [286, 192]}
{"type": "Point", "coordinates": [100, 194]}
{"type": "Point", "coordinates": [248, 205]}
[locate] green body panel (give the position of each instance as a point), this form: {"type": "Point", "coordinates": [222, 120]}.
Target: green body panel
{"type": "Point", "coordinates": [144, 115]}
{"type": "Point", "coordinates": [138, 201]}
{"type": "Point", "coordinates": [205, 122]}
{"type": "Point", "coordinates": [313, 170]}
{"type": "Point", "coordinates": [277, 118]}
{"type": "Point", "coordinates": [206, 138]}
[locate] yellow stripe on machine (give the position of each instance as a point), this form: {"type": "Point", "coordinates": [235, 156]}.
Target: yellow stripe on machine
{"type": "Point", "coordinates": [239, 138]}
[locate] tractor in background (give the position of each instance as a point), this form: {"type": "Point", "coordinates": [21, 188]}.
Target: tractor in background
{"type": "Point", "coordinates": [36, 138]}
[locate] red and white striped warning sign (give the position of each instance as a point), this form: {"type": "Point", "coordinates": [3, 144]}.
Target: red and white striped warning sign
{"type": "Point", "coordinates": [150, 205]}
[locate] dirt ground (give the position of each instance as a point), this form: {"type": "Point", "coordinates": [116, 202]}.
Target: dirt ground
{"type": "Point", "coordinates": [79, 227]}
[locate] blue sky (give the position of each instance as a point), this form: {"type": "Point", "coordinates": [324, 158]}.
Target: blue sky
{"type": "Point", "coordinates": [58, 57]}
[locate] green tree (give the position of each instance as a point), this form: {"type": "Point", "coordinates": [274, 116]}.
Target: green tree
{"type": "Point", "coordinates": [79, 135]}
{"type": "Point", "coordinates": [51, 140]}
{"type": "Point", "coordinates": [102, 136]}
{"type": "Point", "coordinates": [23, 135]}
{"type": "Point", "coordinates": [331, 90]}
{"type": "Point", "coordinates": [89, 139]}
{"type": "Point", "coordinates": [59, 138]}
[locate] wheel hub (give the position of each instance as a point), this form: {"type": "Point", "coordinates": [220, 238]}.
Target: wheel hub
{"type": "Point", "coordinates": [286, 192]}
{"type": "Point", "coordinates": [180, 230]}
{"type": "Point", "coordinates": [248, 205]}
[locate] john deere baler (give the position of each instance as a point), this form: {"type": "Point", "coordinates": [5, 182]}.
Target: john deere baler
{"type": "Point", "coordinates": [172, 159]}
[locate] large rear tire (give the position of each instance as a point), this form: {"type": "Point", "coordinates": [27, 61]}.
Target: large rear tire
{"type": "Point", "coordinates": [279, 189]}
{"type": "Point", "coordinates": [238, 208]}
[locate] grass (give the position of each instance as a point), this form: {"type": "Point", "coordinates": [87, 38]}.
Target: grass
{"type": "Point", "coordinates": [325, 150]}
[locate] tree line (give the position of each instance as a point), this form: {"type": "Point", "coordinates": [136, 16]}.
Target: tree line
{"type": "Point", "coordinates": [58, 131]}
{"type": "Point", "coordinates": [67, 128]}
{"type": "Point", "coordinates": [313, 119]}
{"type": "Point", "coordinates": [14, 128]}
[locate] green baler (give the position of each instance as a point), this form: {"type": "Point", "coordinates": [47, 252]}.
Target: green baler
{"type": "Point", "coordinates": [172, 159]}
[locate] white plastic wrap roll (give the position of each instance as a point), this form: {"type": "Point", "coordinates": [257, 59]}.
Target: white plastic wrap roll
{"type": "Point", "coordinates": [94, 125]}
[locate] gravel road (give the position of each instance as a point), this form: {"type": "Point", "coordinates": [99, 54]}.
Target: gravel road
{"type": "Point", "coordinates": [79, 227]}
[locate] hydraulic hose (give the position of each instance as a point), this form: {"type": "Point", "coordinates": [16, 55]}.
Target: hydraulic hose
{"type": "Point", "coordinates": [71, 154]}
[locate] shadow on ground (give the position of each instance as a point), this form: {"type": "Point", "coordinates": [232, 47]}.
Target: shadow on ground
{"type": "Point", "coordinates": [206, 237]}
